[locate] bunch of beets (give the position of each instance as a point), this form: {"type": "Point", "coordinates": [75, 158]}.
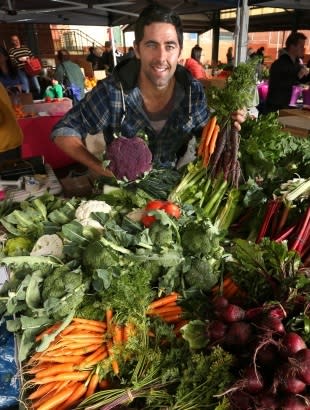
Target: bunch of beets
{"type": "Point", "coordinates": [272, 364]}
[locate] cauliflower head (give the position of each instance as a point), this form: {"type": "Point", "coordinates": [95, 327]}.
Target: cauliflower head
{"type": "Point", "coordinates": [48, 245]}
{"type": "Point", "coordinates": [84, 210]}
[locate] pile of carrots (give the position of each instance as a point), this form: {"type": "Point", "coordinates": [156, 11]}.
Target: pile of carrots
{"type": "Point", "coordinates": [208, 140]}
{"type": "Point", "coordinates": [68, 371]}
{"type": "Point", "coordinates": [20, 113]}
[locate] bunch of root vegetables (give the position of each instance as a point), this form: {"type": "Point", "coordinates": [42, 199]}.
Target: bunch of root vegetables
{"type": "Point", "coordinates": [272, 364]}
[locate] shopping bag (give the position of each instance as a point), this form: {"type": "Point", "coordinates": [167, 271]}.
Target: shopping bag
{"type": "Point", "coordinates": [33, 66]}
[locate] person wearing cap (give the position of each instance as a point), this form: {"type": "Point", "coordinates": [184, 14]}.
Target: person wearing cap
{"type": "Point", "coordinates": [149, 93]}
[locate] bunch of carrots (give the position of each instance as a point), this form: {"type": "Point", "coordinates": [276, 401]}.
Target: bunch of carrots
{"type": "Point", "coordinates": [68, 371]}
{"type": "Point", "coordinates": [208, 140]}
{"type": "Point", "coordinates": [168, 309]}
{"type": "Point", "coordinates": [227, 288]}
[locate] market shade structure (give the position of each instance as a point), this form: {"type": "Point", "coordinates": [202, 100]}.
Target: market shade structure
{"type": "Point", "coordinates": [197, 15]}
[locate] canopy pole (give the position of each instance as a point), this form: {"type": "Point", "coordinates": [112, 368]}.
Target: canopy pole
{"type": "Point", "coordinates": [241, 33]}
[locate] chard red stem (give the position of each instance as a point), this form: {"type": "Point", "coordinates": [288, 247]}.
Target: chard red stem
{"type": "Point", "coordinates": [302, 234]}
{"type": "Point", "coordinates": [272, 208]}
{"type": "Point", "coordinates": [284, 234]}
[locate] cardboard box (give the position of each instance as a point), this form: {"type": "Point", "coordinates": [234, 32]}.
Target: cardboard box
{"type": "Point", "coordinates": [22, 99]}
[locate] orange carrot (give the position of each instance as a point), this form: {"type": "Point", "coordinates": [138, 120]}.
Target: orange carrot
{"type": "Point", "coordinates": [114, 363]}
{"type": "Point", "coordinates": [129, 330]}
{"type": "Point", "coordinates": [57, 399]}
{"type": "Point", "coordinates": [118, 334]}
{"type": "Point", "coordinates": [42, 390]}
{"type": "Point", "coordinates": [214, 139]}
{"type": "Point", "coordinates": [75, 397]}
{"type": "Point", "coordinates": [108, 318]}
{"type": "Point", "coordinates": [77, 376]}
{"type": "Point", "coordinates": [61, 359]}
{"type": "Point", "coordinates": [56, 369]}
{"type": "Point", "coordinates": [103, 384]}
{"type": "Point", "coordinates": [90, 322]}
{"type": "Point", "coordinates": [79, 351]}
{"type": "Point", "coordinates": [165, 310]}
{"type": "Point", "coordinates": [171, 318]}
{"type": "Point", "coordinates": [95, 357]}
{"type": "Point", "coordinates": [93, 384]}
{"type": "Point", "coordinates": [213, 121]}
{"type": "Point", "coordinates": [47, 331]}
{"type": "Point", "coordinates": [202, 143]}
{"type": "Point", "coordinates": [172, 297]}
{"type": "Point", "coordinates": [78, 327]}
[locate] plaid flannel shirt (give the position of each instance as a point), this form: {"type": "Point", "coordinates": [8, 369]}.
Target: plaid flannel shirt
{"type": "Point", "coordinates": [115, 107]}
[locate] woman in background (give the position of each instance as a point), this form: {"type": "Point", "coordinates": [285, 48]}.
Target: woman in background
{"type": "Point", "coordinates": [193, 64]}
{"type": "Point", "coordinates": [10, 132]}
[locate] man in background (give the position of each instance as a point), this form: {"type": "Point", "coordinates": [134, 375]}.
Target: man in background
{"type": "Point", "coordinates": [107, 57]}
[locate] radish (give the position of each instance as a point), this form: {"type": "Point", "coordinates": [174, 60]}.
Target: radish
{"type": "Point", "coordinates": [216, 330]}
{"type": "Point", "coordinates": [232, 313]}
{"type": "Point", "coordinates": [292, 343]}
{"type": "Point", "coordinates": [238, 334]}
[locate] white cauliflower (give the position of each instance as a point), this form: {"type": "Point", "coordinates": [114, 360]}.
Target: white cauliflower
{"type": "Point", "coordinates": [48, 245]}
{"type": "Point", "coordinates": [82, 213]}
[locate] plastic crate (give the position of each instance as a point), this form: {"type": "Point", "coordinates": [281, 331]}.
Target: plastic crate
{"type": "Point", "coordinates": [49, 108]}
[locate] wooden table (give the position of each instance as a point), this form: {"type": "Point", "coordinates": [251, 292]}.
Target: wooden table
{"type": "Point", "coordinates": [296, 121]}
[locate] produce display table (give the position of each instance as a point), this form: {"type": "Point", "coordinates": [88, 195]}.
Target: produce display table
{"type": "Point", "coordinates": [296, 121]}
{"type": "Point", "coordinates": [37, 141]}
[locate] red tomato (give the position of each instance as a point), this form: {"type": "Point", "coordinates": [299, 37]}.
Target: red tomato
{"type": "Point", "coordinates": [172, 209]}
{"type": "Point", "coordinates": [155, 204]}
{"type": "Point", "coordinates": [148, 220]}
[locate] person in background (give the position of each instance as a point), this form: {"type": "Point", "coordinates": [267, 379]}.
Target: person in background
{"type": "Point", "coordinates": [130, 54]}
{"type": "Point", "coordinates": [193, 64]}
{"type": "Point", "coordinates": [19, 54]}
{"type": "Point", "coordinates": [107, 57]}
{"type": "Point", "coordinates": [11, 135]}
{"type": "Point", "coordinates": [70, 74]}
{"type": "Point", "coordinates": [285, 72]}
{"type": "Point", "coordinates": [9, 76]}
{"type": "Point", "coordinates": [229, 57]}
{"type": "Point", "coordinates": [260, 53]}
{"type": "Point", "coordinates": [95, 58]}
{"type": "Point", "coordinates": [151, 93]}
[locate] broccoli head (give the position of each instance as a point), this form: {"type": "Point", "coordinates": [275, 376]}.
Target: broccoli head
{"type": "Point", "coordinates": [98, 256]}
{"type": "Point", "coordinates": [161, 235]}
{"type": "Point", "coordinates": [203, 273]}
{"type": "Point", "coordinates": [61, 282]}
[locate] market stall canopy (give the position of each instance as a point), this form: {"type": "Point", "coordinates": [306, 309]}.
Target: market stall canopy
{"type": "Point", "coordinates": [197, 15]}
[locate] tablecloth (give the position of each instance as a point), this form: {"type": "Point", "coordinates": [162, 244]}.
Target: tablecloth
{"type": "Point", "coordinates": [37, 141]}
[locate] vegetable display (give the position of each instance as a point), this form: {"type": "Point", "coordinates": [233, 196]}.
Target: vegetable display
{"type": "Point", "coordinates": [171, 289]}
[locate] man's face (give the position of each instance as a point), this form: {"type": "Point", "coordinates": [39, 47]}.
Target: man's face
{"type": "Point", "coordinates": [299, 48]}
{"type": "Point", "coordinates": [15, 41]}
{"type": "Point", "coordinates": [158, 51]}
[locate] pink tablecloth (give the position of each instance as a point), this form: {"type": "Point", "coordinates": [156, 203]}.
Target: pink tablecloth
{"type": "Point", "coordinates": [37, 141]}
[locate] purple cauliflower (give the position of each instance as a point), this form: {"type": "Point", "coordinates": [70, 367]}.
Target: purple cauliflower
{"type": "Point", "coordinates": [129, 158]}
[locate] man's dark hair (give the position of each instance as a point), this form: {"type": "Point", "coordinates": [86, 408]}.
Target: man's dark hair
{"type": "Point", "coordinates": [293, 38]}
{"type": "Point", "coordinates": [155, 13]}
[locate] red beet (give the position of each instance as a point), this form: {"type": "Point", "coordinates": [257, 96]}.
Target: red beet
{"type": "Point", "coordinates": [293, 403]}
{"type": "Point", "coordinates": [238, 334]}
{"type": "Point", "coordinates": [219, 303]}
{"type": "Point", "coordinates": [253, 381]}
{"type": "Point", "coordinates": [217, 330]}
{"type": "Point", "coordinates": [292, 343]}
{"type": "Point", "coordinates": [301, 361]}
{"type": "Point", "coordinates": [232, 313]}
{"type": "Point", "coordinates": [273, 324]}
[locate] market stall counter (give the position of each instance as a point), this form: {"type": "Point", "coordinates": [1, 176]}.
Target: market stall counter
{"type": "Point", "coordinates": [37, 141]}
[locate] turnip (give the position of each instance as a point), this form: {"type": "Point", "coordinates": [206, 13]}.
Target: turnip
{"type": "Point", "coordinates": [232, 313]}
{"type": "Point", "coordinates": [292, 343]}
{"type": "Point", "coordinates": [238, 334]}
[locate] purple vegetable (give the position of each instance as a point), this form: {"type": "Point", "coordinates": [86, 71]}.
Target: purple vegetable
{"type": "Point", "coordinates": [129, 158]}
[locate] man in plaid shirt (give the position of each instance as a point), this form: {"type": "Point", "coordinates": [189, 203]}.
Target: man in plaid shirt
{"type": "Point", "coordinates": [150, 94]}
